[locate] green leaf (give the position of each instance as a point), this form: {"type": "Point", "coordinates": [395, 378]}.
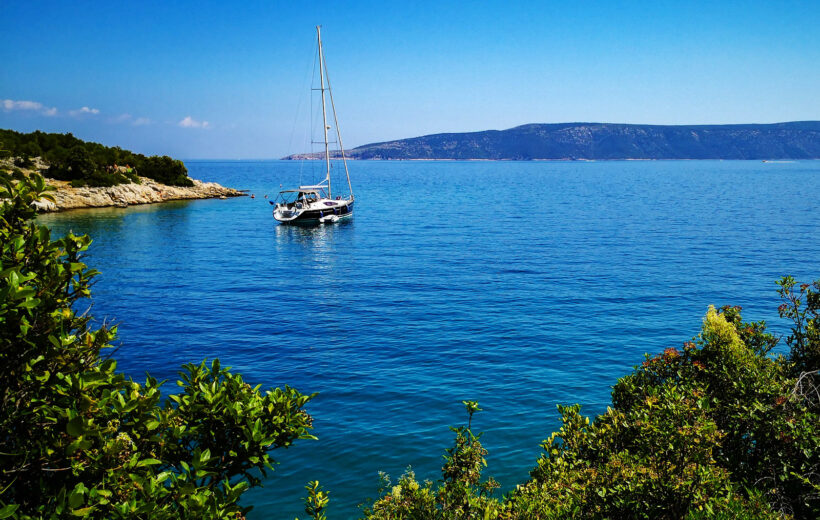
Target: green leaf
{"type": "Point", "coordinates": [8, 510]}
{"type": "Point", "coordinates": [75, 427]}
{"type": "Point", "coordinates": [73, 446]}
{"type": "Point", "coordinates": [24, 293]}
{"type": "Point", "coordinates": [75, 499]}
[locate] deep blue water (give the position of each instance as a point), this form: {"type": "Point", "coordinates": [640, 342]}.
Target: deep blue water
{"type": "Point", "coordinates": [517, 284]}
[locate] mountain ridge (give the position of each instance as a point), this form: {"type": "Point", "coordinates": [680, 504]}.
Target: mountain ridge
{"type": "Point", "coordinates": [602, 141]}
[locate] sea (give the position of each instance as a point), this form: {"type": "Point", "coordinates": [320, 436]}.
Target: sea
{"type": "Point", "coordinates": [520, 285]}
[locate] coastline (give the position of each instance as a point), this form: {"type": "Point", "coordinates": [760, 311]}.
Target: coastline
{"type": "Point", "coordinates": [148, 191]}
{"type": "Point", "coordinates": [794, 140]}
{"type": "Point", "coordinates": [567, 159]}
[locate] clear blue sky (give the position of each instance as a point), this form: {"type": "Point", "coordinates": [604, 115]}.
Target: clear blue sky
{"type": "Point", "coordinates": [151, 74]}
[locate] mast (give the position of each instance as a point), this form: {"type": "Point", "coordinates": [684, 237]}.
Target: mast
{"type": "Point", "coordinates": [324, 110]}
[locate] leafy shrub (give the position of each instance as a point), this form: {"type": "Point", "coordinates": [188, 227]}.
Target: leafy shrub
{"type": "Point", "coordinates": [165, 170]}
{"type": "Point", "coordinates": [801, 304]}
{"type": "Point", "coordinates": [459, 494]}
{"type": "Point", "coordinates": [24, 162]}
{"type": "Point", "coordinates": [77, 165]}
{"type": "Point", "coordinates": [100, 179]}
{"type": "Point", "coordinates": [77, 438]}
{"type": "Point", "coordinates": [132, 177]}
{"type": "Point", "coordinates": [72, 159]}
{"type": "Point", "coordinates": [717, 429]}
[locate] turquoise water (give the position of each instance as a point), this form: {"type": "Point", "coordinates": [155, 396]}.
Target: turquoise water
{"type": "Point", "coordinates": [517, 284]}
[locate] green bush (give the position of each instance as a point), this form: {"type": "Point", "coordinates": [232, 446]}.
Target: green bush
{"type": "Point", "coordinates": [31, 149]}
{"type": "Point", "coordinates": [165, 170]}
{"type": "Point", "coordinates": [801, 304]}
{"type": "Point", "coordinates": [77, 438]}
{"type": "Point", "coordinates": [459, 494]}
{"type": "Point", "coordinates": [23, 161]}
{"type": "Point", "coordinates": [72, 159]}
{"type": "Point", "coordinates": [100, 179]}
{"type": "Point", "coordinates": [717, 429]}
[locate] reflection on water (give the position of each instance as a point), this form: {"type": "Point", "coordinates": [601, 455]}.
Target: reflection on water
{"type": "Point", "coordinates": [317, 245]}
{"type": "Point", "coordinates": [313, 235]}
{"type": "Point", "coordinates": [112, 212]}
{"type": "Point", "coordinates": [135, 235]}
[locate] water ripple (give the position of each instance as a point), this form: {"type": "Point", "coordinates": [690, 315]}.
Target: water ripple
{"type": "Point", "coordinates": [521, 285]}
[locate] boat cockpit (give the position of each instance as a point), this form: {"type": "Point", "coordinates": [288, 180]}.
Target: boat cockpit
{"type": "Point", "coordinates": [298, 199]}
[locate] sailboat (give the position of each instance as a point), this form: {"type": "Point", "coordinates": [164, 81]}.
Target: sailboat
{"type": "Point", "coordinates": [315, 203]}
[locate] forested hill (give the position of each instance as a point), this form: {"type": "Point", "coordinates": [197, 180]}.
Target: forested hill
{"type": "Point", "coordinates": [85, 163]}
{"type": "Point", "coordinates": [795, 140]}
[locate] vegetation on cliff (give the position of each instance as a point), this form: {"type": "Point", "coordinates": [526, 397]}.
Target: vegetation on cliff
{"type": "Point", "coordinates": [89, 164]}
{"type": "Point", "coordinates": [77, 438]}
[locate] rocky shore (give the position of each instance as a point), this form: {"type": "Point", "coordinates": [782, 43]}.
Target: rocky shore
{"type": "Point", "coordinates": [147, 192]}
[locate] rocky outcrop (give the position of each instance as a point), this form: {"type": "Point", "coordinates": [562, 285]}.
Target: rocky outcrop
{"type": "Point", "coordinates": [147, 192]}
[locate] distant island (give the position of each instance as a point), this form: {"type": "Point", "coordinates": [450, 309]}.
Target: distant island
{"type": "Point", "coordinates": [604, 141]}
{"type": "Point", "coordinates": [91, 175]}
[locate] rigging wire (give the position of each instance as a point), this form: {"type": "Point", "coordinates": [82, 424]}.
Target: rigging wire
{"type": "Point", "coordinates": [308, 131]}
{"type": "Point", "coordinates": [299, 106]}
{"type": "Point", "coordinates": [338, 130]}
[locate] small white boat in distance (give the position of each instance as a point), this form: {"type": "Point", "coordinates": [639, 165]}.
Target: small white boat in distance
{"type": "Point", "coordinates": [315, 204]}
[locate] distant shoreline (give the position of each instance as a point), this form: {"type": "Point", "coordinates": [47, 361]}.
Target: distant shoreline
{"type": "Point", "coordinates": [774, 161]}
{"type": "Point", "coordinates": [798, 140]}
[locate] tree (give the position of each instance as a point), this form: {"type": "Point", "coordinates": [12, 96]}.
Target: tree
{"type": "Point", "coordinates": [77, 438]}
{"type": "Point", "coordinates": [31, 149]}
{"type": "Point", "coordinates": [165, 170]}
{"type": "Point", "coordinates": [80, 163]}
{"type": "Point", "coordinates": [88, 163]}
